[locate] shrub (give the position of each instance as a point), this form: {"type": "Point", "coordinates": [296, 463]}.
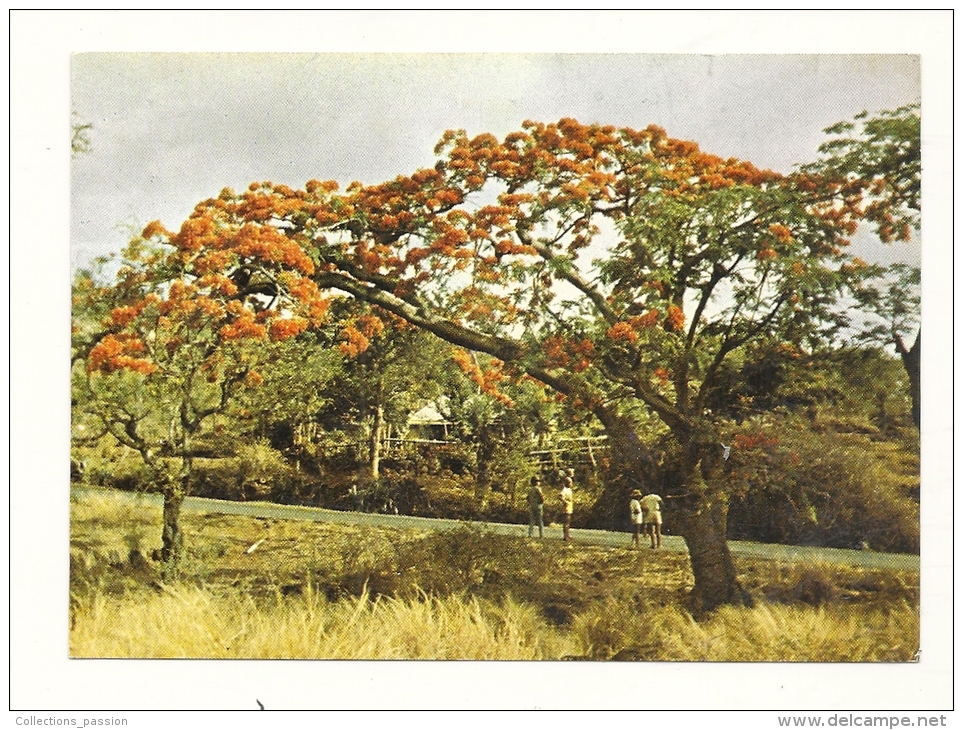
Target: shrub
{"type": "Point", "coordinates": [829, 489]}
{"type": "Point", "coordinates": [258, 471]}
{"type": "Point", "coordinates": [111, 465]}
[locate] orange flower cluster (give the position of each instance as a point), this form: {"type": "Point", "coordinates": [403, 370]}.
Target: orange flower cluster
{"type": "Point", "coordinates": [675, 319]}
{"type": "Point", "coordinates": [213, 261]}
{"type": "Point", "coordinates": [781, 233]}
{"type": "Point", "coordinates": [264, 201]}
{"type": "Point", "coordinates": [644, 321]}
{"type": "Point", "coordinates": [253, 379]}
{"type": "Point", "coordinates": [180, 299]}
{"type": "Point", "coordinates": [622, 331]}
{"type": "Point", "coordinates": [316, 186]}
{"type": "Point", "coordinates": [311, 302]}
{"type": "Point", "coordinates": [487, 380]}
{"type": "Point", "coordinates": [359, 333]}
{"type": "Point", "coordinates": [154, 228]}
{"type": "Point", "coordinates": [355, 342]}
{"type": "Point", "coordinates": [556, 352]}
{"type": "Point", "coordinates": [268, 244]}
{"type": "Point", "coordinates": [370, 325]}
{"type": "Point", "coordinates": [244, 327]}
{"type": "Point", "coordinates": [584, 351]}
{"type": "Point", "coordinates": [630, 329]}
{"type": "Point", "coordinates": [123, 316]}
{"type": "Point", "coordinates": [561, 352]}
{"type": "Point", "coordinates": [197, 233]}
{"type": "Point", "coordinates": [766, 253]}
{"type": "Point", "coordinates": [449, 239]}
{"type": "Point", "coordinates": [217, 283]}
{"type": "Point", "coordinates": [209, 308]}
{"type": "Point", "coordinates": [116, 352]}
{"type": "Point", "coordinates": [283, 329]}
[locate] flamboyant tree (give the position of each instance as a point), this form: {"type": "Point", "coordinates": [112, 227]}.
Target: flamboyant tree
{"type": "Point", "coordinates": [622, 268]}
{"type": "Point", "coordinates": [169, 344]}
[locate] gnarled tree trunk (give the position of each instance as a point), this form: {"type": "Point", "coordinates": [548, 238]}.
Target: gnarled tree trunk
{"type": "Point", "coordinates": [172, 537]}
{"type": "Point", "coordinates": [703, 526]}
{"type": "Point", "coordinates": [695, 510]}
{"type": "Point", "coordinates": [699, 514]}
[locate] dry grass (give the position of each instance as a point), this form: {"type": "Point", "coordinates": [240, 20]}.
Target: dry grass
{"type": "Point", "coordinates": [189, 621]}
{"type": "Point", "coordinates": [313, 590]}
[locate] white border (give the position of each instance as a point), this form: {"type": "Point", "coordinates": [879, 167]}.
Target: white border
{"type": "Point", "coordinates": [43, 678]}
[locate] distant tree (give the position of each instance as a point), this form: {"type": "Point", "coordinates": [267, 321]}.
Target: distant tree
{"type": "Point", "coordinates": [891, 298]}
{"type": "Point", "coordinates": [298, 376]}
{"type": "Point", "coordinates": [499, 414]}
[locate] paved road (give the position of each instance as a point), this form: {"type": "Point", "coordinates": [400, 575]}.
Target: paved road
{"type": "Point", "coordinates": [861, 558]}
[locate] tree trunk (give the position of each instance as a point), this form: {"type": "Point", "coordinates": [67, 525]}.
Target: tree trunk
{"type": "Point", "coordinates": [172, 537]}
{"type": "Point", "coordinates": [484, 451]}
{"type": "Point", "coordinates": [911, 363]}
{"type": "Point", "coordinates": [374, 444]}
{"type": "Point", "coordinates": [704, 531]}
{"type": "Point", "coordinates": [699, 514]}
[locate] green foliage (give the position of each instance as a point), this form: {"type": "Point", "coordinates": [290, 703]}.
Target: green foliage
{"type": "Point", "coordinates": [883, 154]}
{"type": "Point", "coordinates": [299, 377]}
{"type": "Point", "coordinates": [256, 472]}
{"type": "Point", "coordinates": [777, 377]}
{"type": "Point", "coordinates": [115, 467]}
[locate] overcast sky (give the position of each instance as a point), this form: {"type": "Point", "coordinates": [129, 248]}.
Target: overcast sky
{"type": "Point", "coordinates": [170, 130]}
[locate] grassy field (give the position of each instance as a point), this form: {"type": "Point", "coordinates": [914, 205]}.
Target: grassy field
{"type": "Point", "coordinates": [312, 590]}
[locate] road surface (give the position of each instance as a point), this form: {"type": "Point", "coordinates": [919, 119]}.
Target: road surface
{"type": "Point", "coordinates": [268, 510]}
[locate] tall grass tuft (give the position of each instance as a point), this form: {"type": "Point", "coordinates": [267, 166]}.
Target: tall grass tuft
{"type": "Point", "coordinates": [191, 622]}
{"type": "Point", "coordinates": [182, 621]}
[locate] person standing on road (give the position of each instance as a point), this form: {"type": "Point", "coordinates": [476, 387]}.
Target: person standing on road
{"type": "Point", "coordinates": [536, 508]}
{"type": "Point", "coordinates": [568, 506]}
{"type": "Point", "coordinates": [635, 513]}
{"type": "Point", "coordinates": [652, 518]}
